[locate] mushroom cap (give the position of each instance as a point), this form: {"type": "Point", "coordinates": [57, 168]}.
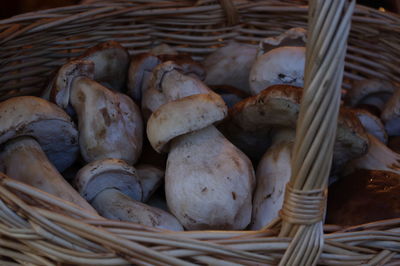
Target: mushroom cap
{"type": "Point", "coordinates": [44, 121]}
{"type": "Point", "coordinates": [278, 106]}
{"type": "Point", "coordinates": [372, 124]}
{"type": "Point", "coordinates": [183, 116]}
{"type": "Point", "coordinates": [111, 62]}
{"type": "Point", "coordinates": [283, 65]}
{"type": "Point", "coordinates": [62, 82]}
{"type": "Point", "coordinates": [364, 196]}
{"type": "Point", "coordinates": [391, 114]}
{"type": "Point", "coordinates": [108, 173]}
{"type": "Point", "coordinates": [230, 65]}
{"type": "Point", "coordinates": [369, 92]}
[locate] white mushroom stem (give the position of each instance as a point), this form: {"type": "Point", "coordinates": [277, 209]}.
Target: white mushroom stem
{"type": "Point", "coordinates": [176, 85]}
{"type": "Point", "coordinates": [24, 160]}
{"type": "Point", "coordinates": [379, 157]}
{"type": "Point", "coordinates": [110, 124]}
{"type": "Point", "coordinates": [113, 204]}
{"type": "Point", "coordinates": [208, 182]}
{"type": "Point", "coordinates": [272, 175]}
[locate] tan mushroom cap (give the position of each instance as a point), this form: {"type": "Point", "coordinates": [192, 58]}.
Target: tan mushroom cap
{"type": "Point", "coordinates": [183, 116]}
{"type": "Point", "coordinates": [108, 173]}
{"type": "Point", "coordinates": [48, 124]}
{"type": "Point", "coordinates": [111, 62]}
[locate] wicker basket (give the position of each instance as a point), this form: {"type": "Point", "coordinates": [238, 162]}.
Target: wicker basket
{"type": "Point", "coordinates": [33, 45]}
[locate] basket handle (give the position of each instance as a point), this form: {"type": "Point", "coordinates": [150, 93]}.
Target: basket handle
{"type": "Point", "coordinates": [305, 196]}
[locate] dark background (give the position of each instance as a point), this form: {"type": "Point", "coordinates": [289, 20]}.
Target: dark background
{"type": "Point", "coordinates": [10, 8]}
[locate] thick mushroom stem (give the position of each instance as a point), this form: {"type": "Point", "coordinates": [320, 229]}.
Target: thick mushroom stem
{"type": "Point", "coordinates": [209, 182]}
{"type": "Point", "coordinates": [379, 157]}
{"type": "Point", "coordinates": [110, 124]}
{"type": "Point", "coordinates": [273, 173]}
{"type": "Point", "coordinates": [24, 160]}
{"type": "Point", "coordinates": [113, 204]}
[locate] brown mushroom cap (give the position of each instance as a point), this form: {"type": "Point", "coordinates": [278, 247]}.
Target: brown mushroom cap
{"type": "Point", "coordinates": [47, 123]}
{"type": "Point", "coordinates": [108, 173]}
{"type": "Point", "coordinates": [365, 196]}
{"type": "Point", "coordinates": [183, 116]}
{"type": "Point", "coordinates": [111, 62]}
{"type": "Point", "coordinates": [278, 107]}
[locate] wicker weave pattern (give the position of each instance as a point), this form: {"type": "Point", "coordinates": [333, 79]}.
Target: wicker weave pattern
{"type": "Point", "coordinates": [33, 45]}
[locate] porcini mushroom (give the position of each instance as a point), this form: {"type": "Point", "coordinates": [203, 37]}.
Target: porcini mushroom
{"type": "Point", "coordinates": [111, 62]}
{"type": "Point", "coordinates": [110, 123]}
{"type": "Point", "coordinates": [280, 61]}
{"type": "Point", "coordinates": [275, 110]}
{"type": "Point", "coordinates": [283, 65]}
{"type": "Point", "coordinates": [378, 157]}
{"type": "Point", "coordinates": [370, 94]}
{"type": "Point", "coordinates": [230, 65]}
{"type": "Point", "coordinates": [208, 181]}
{"type": "Point", "coordinates": [142, 65]}
{"type": "Point", "coordinates": [115, 191]}
{"type": "Point", "coordinates": [39, 140]}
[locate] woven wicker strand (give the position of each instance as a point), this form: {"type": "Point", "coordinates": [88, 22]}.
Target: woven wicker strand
{"type": "Point", "coordinates": [33, 45]}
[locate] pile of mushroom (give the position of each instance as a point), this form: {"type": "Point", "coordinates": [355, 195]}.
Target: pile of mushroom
{"type": "Point", "coordinates": [213, 134]}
